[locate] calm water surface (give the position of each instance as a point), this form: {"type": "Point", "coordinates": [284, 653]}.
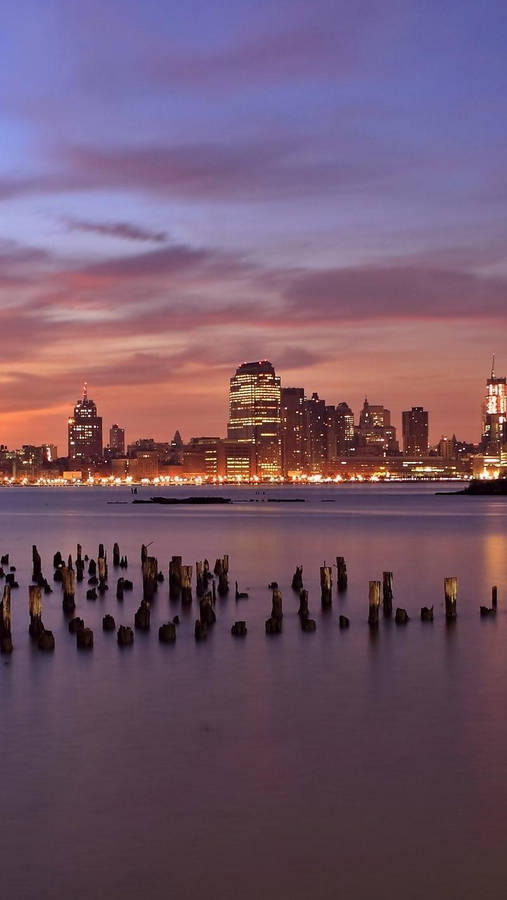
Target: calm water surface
{"type": "Point", "coordinates": [334, 764]}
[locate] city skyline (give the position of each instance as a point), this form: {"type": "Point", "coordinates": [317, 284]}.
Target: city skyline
{"type": "Point", "coordinates": [327, 196]}
{"type": "Point", "coordinates": [162, 432]}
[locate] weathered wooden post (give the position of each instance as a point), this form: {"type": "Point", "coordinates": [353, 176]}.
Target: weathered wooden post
{"type": "Point", "coordinates": [102, 552]}
{"type": "Point", "coordinates": [144, 553]}
{"type": "Point", "coordinates": [116, 555]}
{"type": "Point", "coordinates": [108, 623]}
{"type": "Point", "coordinates": [35, 609]}
{"type": "Point", "coordinates": [125, 636]}
{"type": "Point", "coordinates": [150, 583]}
{"type": "Point", "coordinates": [167, 633]}
{"type": "Point", "coordinates": [450, 592]}
{"type": "Point", "coordinates": [297, 579]}
{"type": "Point", "coordinates": [79, 564]}
{"type": "Point", "coordinates": [387, 593]}
{"type": "Point", "coordinates": [303, 604]}
{"type": "Point", "coordinates": [186, 585]}
{"type": "Point", "coordinates": [102, 570]}
{"type": "Point", "coordinates": [239, 629]}
{"type": "Point", "coordinates": [494, 596]}
{"type": "Point", "coordinates": [142, 616]}
{"type": "Point", "coordinates": [222, 569]}
{"type": "Point", "coordinates": [175, 577]}
{"type": "Point", "coordinates": [200, 583]}
{"type": "Point", "coordinates": [373, 603]}
{"type": "Point", "coordinates": [36, 565]}
{"type": "Point", "coordinates": [69, 589]}
{"type": "Point", "coordinates": [341, 574]}
{"type": "Point", "coordinates": [57, 560]}
{"type": "Point", "coordinates": [343, 622]}
{"type": "Point", "coordinates": [5, 621]}
{"type": "Point", "coordinates": [92, 568]}
{"type": "Point", "coordinates": [84, 639]}
{"type": "Point", "coordinates": [120, 588]}
{"type": "Point", "coordinates": [46, 641]}
{"type": "Point", "coordinates": [426, 614]}
{"type": "Point", "coordinates": [274, 623]}
{"type": "Point", "coordinates": [206, 611]}
{"type": "Point", "coordinates": [401, 616]}
{"type": "Point", "coordinates": [326, 584]}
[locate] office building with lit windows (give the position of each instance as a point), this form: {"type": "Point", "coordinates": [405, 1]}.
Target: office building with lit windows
{"type": "Point", "coordinates": [415, 431]}
{"type": "Point", "coordinates": [494, 421]}
{"type": "Point", "coordinates": [254, 414]}
{"type": "Point", "coordinates": [85, 432]}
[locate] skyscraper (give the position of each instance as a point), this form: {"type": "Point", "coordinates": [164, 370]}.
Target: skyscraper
{"type": "Point", "coordinates": [494, 427]}
{"type": "Point", "coordinates": [254, 414]}
{"type": "Point", "coordinates": [292, 425]}
{"type": "Point", "coordinates": [117, 441]}
{"type": "Point", "coordinates": [415, 431]}
{"type": "Point", "coordinates": [345, 428]}
{"type": "Point", "coordinates": [375, 434]}
{"type": "Point", "coordinates": [315, 434]}
{"type": "Point", "coordinates": [85, 432]}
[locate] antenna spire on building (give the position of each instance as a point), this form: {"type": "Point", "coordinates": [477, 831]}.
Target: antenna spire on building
{"type": "Point", "coordinates": [493, 366]}
{"type": "Point", "coordinates": [85, 391]}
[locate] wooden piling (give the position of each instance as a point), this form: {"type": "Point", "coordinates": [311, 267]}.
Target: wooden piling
{"type": "Point", "coordinates": [120, 588]}
{"type": "Point", "coordinates": [239, 629]}
{"type": "Point", "coordinates": [274, 623]}
{"type": "Point", "coordinates": [150, 583]}
{"type": "Point", "coordinates": [387, 593]}
{"type": "Point", "coordinates": [222, 569]}
{"type": "Point", "coordinates": [297, 579]}
{"type": "Point", "coordinates": [200, 583]}
{"type": "Point", "coordinates": [36, 565]}
{"type": "Point", "coordinates": [494, 596]}
{"type": "Point", "coordinates": [426, 614]}
{"type": "Point", "coordinates": [186, 585]}
{"type": "Point", "coordinates": [144, 553]}
{"type": "Point", "coordinates": [373, 603]}
{"type": "Point", "coordinates": [450, 593]}
{"type": "Point", "coordinates": [116, 555]}
{"type": "Point", "coordinates": [69, 589]}
{"type": "Point", "coordinates": [35, 610]}
{"type": "Point", "coordinates": [102, 571]}
{"type": "Point", "coordinates": [5, 621]}
{"type": "Point", "coordinates": [167, 633]}
{"type": "Point", "coordinates": [326, 585]}
{"type": "Point", "coordinates": [142, 616]}
{"type": "Point", "coordinates": [175, 577]}
{"type": "Point", "coordinates": [125, 636]}
{"type": "Point", "coordinates": [79, 563]}
{"type": "Point", "coordinates": [341, 574]}
{"type": "Point", "coordinates": [206, 611]}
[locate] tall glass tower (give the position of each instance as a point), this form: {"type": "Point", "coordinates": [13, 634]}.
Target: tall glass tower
{"type": "Point", "coordinates": [254, 414]}
{"type": "Point", "coordinates": [85, 432]}
{"type": "Point", "coordinates": [494, 421]}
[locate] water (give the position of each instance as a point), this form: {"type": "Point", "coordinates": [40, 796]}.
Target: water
{"type": "Point", "coordinates": [296, 766]}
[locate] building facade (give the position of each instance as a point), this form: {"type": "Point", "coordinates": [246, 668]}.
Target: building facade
{"type": "Point", "coordinates": [292, 429]}
{"type": "Point", "coordinates": [494, 417]}
{"type": "Point", "coordinates": [117, 441]}
{"type": "Point", "coordinates": [254, 415]}
{"type": "Point", "coordinates": [415, 431]}
{"type": "Point", "coordinates": [85, 432]}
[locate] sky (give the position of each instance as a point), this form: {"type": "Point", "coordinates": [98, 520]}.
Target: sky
{"type": "Point", "coordinates": [184, 187]}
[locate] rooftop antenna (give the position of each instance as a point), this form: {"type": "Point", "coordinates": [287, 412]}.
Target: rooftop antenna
{"type": "Point", "coordinates": [85, 391]}
{"type": "Point", "coordinates": [493, 367]}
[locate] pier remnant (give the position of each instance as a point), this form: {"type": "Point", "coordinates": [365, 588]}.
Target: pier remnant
{"type": "Point", "coordinates": [373, 603]}
{"type": "Point", "coordinates": [222, 570]}
{"type": "Point", "coordinates": [108, 623]}
{"type": "Point", "coordinates": [175, 577]}
{"type": "Point", "coordinates": [36, 565]}
{"type": "Point", "coordinates": [167, 633]}
{"type": "Point", "coordinates": [341, 574]}
{"type": "Point", "coordinates": [326, 584]}
{"type": "Point", "coordinates": [142, 616]}
{"type": "Point", "coordinates": [426, 614]}
{"type": "Point", "coordinates": [125, 636]}
{"type": "Point", "coordinates": [150, 583]}
{"type": "Point", "coordinates": [186, 585]}
{"type": "Point", "coordinates": [239, 629]}
{"type": "Point", "coordinates": [297, 579]}
{"type": "Point", "coordinates": [401, 616]}
{"type": "Point", "coordinates": [84, 639]}
{"type": "Point", "coordinates": [116, 555]}
{"type": "Point", "coordinates": [69, 588]}
{"type": "Point", "coordinates": [387, 593]}
{"type": "Point", "coordinates": [494, 596]}
{"type": "Point", "coordinates": [343, 622]}
{"type": "Point", "coordinates": [5, 621]}
{"type": "Point", "coordinates": [36, 627]}
{"type": "Point", "coordinates": [46, 641]}
{"type": "Point", "coordinates": [274, 623]}
{"type": "Point", "coordinates": [450, 592]}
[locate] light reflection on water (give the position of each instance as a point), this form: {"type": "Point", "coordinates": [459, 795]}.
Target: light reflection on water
{"type": "Point", "coordinates": [303, 765]}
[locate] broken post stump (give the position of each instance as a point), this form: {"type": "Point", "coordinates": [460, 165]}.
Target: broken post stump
{"type": "Point", "coordinates": [36, 565]}
{"type": "Point", "coordinates": [46, 641]}
{"type": "Point", "coordinates": [297, 579]}
{"type": "Point", "coordinates": [142, 616]}
{"type": "Point", "coordinates": [206, 611]}
{"type": "Point", "coordinates": [343, 622]}
{"type": "Point", "coordinates": [175, 577]}
{"type": "Point", "coordinates": [401, 616]}
{"type": "Point", "coordinates": [341, 574]}
{"type": "Point", "coordinates": [36, 627]}
{"type": "Point", "coordinates": [186, 585]}
{"type": "Point", "coordinates": [450, 592]}
{"type": "Point", "coordinates": [84, 639]}
{"type": "Point", "coordinates": [426, 614]}
{"type": "Point", "coordinates": [373, 603]}
{"type": "Point", "coordinates": [387, 593]}
{"type": "Point", "coordinates": [69, 589]}
{"type": "Point", "coordinates": [125, 636]}
{"type": "Point", "coordinates": [167, 633]}
{"type": "Point", "coordinates": [5, 621]}
{"type": "Point", "coordinates": [108, 623]}
{"type": "Point", "coordinates": [274, 623]}
{"type": "Point", "coordinates": [116, 555]}
{"type": "Point", "coordinates": [150, 583]}
{"type": "Point", "coordinates": [494, 596]}
{"type": "Point", "coordinates": [76, 624]}
{"type": "Point", "coordinates": [326, 584]}
{"type": "Point", "coordinates": [239, 629]}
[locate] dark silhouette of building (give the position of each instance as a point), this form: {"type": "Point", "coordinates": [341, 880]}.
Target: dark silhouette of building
{"type": "Point", "coordinates": [344, 429]}
{"type": "Point", "coordinates": [315, 432]}
{"type": "Point", "coordinates": [415, 431]}
{"type": "Point", "coordinates": [117, 441]}
{"type": "Point", "coordinates": [85, 432]}
{"type": "Point", "coordinates": [254, 414]}
{"type": "Point", "coordinates": [292, 428]}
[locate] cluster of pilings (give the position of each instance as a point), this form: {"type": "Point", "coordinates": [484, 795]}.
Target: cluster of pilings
{"type": "Point", "coordinates": [380, 595]}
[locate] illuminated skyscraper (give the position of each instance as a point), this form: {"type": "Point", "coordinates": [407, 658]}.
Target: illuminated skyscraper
{"type": "Point", "coordinates": [85, 432]}
{"type": "Point", "coordinates": [345, 428]}
{"type": "Point", "coordinates": [254, 414]}
{"type": "Point", "coordinates": [415, 431]}
{"type": "Point", "coordinates": [316, 415]}
{"type": "Point", "coordinates": [494, 429]}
